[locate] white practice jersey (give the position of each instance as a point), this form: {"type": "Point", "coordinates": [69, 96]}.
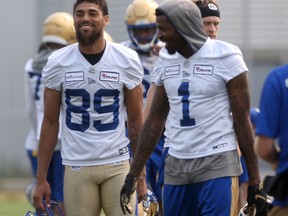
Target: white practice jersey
{"type": "Point", "coordinates": [199, 117]}
{"type": "Point", "coordinates": [34, 90]}
{"type": "Point", "coordinates": [147, 62]}
{"type": "Point", "coordinates": [93, 122]}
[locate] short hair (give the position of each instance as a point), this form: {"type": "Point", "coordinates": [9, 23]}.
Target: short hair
{"type": "Point", "coordinates": [102, 4]}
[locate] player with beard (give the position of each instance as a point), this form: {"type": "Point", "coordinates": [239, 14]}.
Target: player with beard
{"type": "Point", "coordinates": [90, 85]}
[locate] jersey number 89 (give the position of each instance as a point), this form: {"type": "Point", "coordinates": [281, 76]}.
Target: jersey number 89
{"type": "Point", "coordinates": [82, 109]}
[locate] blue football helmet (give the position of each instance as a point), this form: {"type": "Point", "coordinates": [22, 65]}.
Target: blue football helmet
{"type": "Point", "coordinates": [54, 210]}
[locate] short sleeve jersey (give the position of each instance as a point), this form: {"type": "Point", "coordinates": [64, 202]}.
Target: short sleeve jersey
{"type": "Point", "coordinates": [147, 62]}
{"type": "Point", "coordinates": [200, 123]}
{"type": "Point", "coordinates": [93, 110]}
{"type": "Point", "coordinates": [272, 120]}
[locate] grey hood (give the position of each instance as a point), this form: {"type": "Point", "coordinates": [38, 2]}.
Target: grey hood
{"type": "Point", "coordinates": [185, 16]}
{"type": "Point", "coordinates": [41, 58]}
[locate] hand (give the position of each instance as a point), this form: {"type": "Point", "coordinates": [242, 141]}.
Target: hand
{"type": "Point", "coordinates": [127, 192]}
{"type": "Point", "coordinates": [257, 198]}
{"type": "Point", "coordinates": [42, 190]}
{"type": "Point", "coordinates": [156, 49]}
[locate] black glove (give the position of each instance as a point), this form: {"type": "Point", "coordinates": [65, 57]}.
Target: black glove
{"type": "Point", "coordinates": [257, 198]}
{"type": "Point", "coordinates": [127, 192]}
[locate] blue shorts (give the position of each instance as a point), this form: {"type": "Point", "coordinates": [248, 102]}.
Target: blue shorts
{"type": "Point", "coordinates": [209, 198]}
{"type": "Point", "coordinates": [55, 175]}
{"type": "Point", "coordinates": [160, 180]}
{"type": "Point", "coordinates": [244, 176]}
{"type": "Point", "coordinates": [152, 167]}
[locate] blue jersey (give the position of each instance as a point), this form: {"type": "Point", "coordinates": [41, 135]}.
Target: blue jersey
{"type": "Point", "coordinates": [272, 121]}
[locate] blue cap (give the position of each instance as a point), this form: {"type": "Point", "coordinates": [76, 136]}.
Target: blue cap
{"type": "Point", "coordinates": [254, 114]}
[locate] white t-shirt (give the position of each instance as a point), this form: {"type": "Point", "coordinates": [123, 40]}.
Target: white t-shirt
{"type": "Point", "coordinates": [93, 124]}
{"type": "Point", "coordinates": [199, 118]}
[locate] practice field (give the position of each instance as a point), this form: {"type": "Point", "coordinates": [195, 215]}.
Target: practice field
{"type": "Point", "coordinates": [13, 203]}
{"type": "Point", "coordinates": [12, 197]}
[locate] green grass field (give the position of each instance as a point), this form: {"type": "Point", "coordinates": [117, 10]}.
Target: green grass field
{"type": "Point", "coordinates": [13, 203]}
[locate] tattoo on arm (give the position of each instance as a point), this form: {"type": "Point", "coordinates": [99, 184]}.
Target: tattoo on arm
{"type": "Point", "coordinates": [239, 97]}
{"type": "Point", "coordinates": [151, 131]}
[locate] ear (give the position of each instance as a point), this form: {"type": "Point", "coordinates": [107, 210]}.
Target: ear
{"type": "Point", "coordinates": [106, 20]}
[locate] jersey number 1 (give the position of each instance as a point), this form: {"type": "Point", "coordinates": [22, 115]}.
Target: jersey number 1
{"type": "Point", "coordinates": [183, 91]}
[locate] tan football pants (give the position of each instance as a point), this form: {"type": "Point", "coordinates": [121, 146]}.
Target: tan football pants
{"type": "Point", "coordinates": [89, 189]}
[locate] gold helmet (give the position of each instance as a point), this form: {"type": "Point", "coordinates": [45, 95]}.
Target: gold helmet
{"type": "Point", "coordinates": [149, 205]}
{"type": "Point", "coordinates": [140, 15]}
{"type": "Point", "coordinates": [108, 37]}
{"type": "Point", "coordinates": [59, 28]}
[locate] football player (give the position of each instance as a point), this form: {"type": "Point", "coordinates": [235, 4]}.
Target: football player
{"type": "Point", "coordinates": [197, 86]}
{"type": "Point", "coordinates": [90, 86]}
{"type": "Point", "coordinates": [58, 31]}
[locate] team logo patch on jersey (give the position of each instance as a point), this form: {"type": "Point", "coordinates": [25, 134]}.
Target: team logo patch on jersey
{"type": "Point", "coordinates": [75, 168]}
{"type": "Point", "coordinates": [172, 70]}
{"type": "Point", "coordinates": [109, 76]}
{"type": "Point", "coordinates": [91, 81]}
{"type": "Point", "coordinates": [123, 150]}
{"type": "Point", "coordinates": [203, 69]}
{"type": "Point", "coordinates": [74, 76]}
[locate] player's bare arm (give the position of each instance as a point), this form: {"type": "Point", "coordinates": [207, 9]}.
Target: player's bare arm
{"type": "Point", "coordinates": [265, 147]}
{"type": "Point", "coordinates": [149, 99]}
{"type": "Point", "coordinates": [133, 102]}
{"type": "Point", "coordinates": [47, 143]}
{"type": "Point", "coordinates": [238, 91]}
{"type": "Point", "coordinates": [152, 129]}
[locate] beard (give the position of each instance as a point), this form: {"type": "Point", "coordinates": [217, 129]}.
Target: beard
{"type": "Point", "coordinates": [170, 51]}
{"type": "Point", "coordinates": [87, 40]}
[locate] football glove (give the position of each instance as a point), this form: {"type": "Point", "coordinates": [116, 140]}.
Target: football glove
{"type": "Point", "coordinates": [127, 192]}
{"type": "Point", "coordinates": [256, 199]}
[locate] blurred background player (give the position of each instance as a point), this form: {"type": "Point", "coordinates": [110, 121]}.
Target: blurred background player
{"type": "Point", "coordinates": [58, 31]}
{"type": "Point", "coordinates": [140, 21]}
{"type": "Point", "coordinates": [210, 17]}
{"type": "Point", "coordinates": [272, 136]}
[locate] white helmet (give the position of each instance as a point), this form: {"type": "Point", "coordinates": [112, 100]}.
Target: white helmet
{"type": "Point", "coordinates": [59, 28]}
{"type": "Point", "coordinates": [140, 14]}
{"type": "Point", "coordinates": [29, 190]}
